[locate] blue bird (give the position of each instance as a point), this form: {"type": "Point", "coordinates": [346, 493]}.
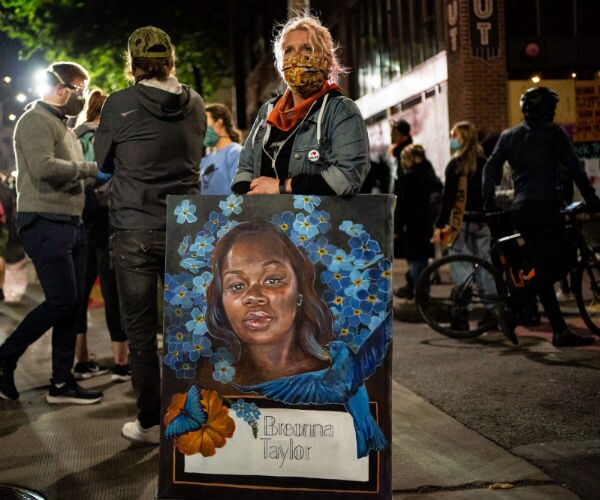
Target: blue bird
{"type": "Point", "coordinates": [341, 383]}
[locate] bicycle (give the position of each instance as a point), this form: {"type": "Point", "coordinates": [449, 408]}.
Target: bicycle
{"type": "Point", "coordinates": [439, 300]}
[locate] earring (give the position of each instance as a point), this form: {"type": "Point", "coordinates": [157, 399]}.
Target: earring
{"type": "Point", "coordinates": [299, 300]}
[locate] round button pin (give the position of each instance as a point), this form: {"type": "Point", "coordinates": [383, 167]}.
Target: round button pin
{"type": "Point", "coordinates": [313, 155]}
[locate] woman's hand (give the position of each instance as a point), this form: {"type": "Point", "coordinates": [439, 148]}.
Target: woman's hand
{"type": "Point", "coordinates": [268, 185]}
{"type": "Point", "coordinates": [264, 185]}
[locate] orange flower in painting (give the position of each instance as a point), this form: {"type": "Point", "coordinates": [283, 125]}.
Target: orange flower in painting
{"type": "Point", "coordinates": [214, 432]}
{"type": "Point", "coordinates": [177, 402]}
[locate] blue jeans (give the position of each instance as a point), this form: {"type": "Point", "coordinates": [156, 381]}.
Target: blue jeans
{"type": "Point", "coordinates": [58, 252]}
{"type": "Point", "coordinates": [473, 239]}
{"type": "Point", "coordinates": [415, 268]}
{"type": "Point", "coordinates": [139, 261]}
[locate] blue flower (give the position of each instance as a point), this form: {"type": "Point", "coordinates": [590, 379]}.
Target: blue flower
{"type": "Point", "coordinates": [220, 356]}
{"type": "Point", "coordinates": [199, 347]}
{"type": "Point", "coordinates": [182, 296]}
{"type": "Point", "coordinates": [215, 221]}
{"type": "Point", "coordinates": [359, 280]}
{"type": "Point", "coordinates": [382, 275]}
{"type": "Point", "coordinates": [200, 301]}
{"type": "Point", "coordinates": [355, 314]}
{"type": "Point", "coordinates": [376, 321]}
{"type": "Point", "coordinates": [336, 280]}
{"type": "Point", "coordinates": [252, 413]}
{"type": "Point", "coordinates": [226, 228]}
{"type": "Point", "coordinates": [185, 369]}
{"type": "Point", "coordinates": [320, 251]}
{"type": "Point", "coordinates": [351, 229]}
{"type": "Point", "coordinates": [174, 281]}
{"type": "Point", "coordinates": [305, 227]}
{"type": "Point", "coordinates": [168, 289]}
{"type": "Point", "coordinates": [175, 334]}
{"type": "Point", "coordinates": [201, 283]}
{"type": "Point", "coordinates": [347, 333]}
{"type": "Point", "coordinates": [298, 239]}
{"type": "Point", "coordinates": [184, 245]}
{"type": "Point", "coordinates": [174, 354]}
{"type": "Point", "coordinates": [197, 325]}
{"type": "Point", "coordinates": [306, 202]}
{"type": "Point", "coordinates": [321, 219]}
{"type": "Point", "coordinates": [185, 212]}
{"type": "Point", "coordinates": [335, 299]}
{"type": "Point", "coordinates": [192, 264]}
{"type": "Point", "coordinates": [224, 372]}
{"type": "Point", "coordinates": [249, 412]}
{"type": "Point", "coordinates": [176, 315]}
{"type": "Point", "coordinates": [338, 317]}
{"type": "Point", "coordinates": [363, 247]}
{"type": "Point", "coordinates": [203, 245]}
{"type": "Point", "coordinates": [341, 261]}
{"type": "Point", "coordinates": [284, 222]}
{"type": "Point", "coordinates": [239, 407]}
{"type": "Point", "coordinates": [377, 300]}
{"type": "Point", "coordinates": [233, 204]}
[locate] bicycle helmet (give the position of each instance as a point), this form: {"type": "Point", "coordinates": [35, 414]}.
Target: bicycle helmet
{"type": "Point", "coordinates": [539, 101]}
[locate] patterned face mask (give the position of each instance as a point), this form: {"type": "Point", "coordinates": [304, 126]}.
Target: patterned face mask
{"type": "Point", "coordinates": [305, 75]}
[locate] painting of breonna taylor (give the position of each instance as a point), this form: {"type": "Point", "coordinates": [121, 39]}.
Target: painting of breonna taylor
{"type": "Point", "coordinates": [276, 347]}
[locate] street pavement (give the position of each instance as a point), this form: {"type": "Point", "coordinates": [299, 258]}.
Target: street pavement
{"type": "Point", "coordinates": [438, 451]}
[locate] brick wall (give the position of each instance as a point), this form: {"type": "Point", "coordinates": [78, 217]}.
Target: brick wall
{"type": "Point", "coordinates": [477, 76]}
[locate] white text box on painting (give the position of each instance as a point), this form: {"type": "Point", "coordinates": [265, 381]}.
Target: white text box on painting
{"type": "Point", "coordinates": [290, 443]}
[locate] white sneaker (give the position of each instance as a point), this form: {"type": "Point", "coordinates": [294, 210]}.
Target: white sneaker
{"type": "Point", "coordinates": [565, 296]}
{"type": "Point", "coordinates": [136, 433]}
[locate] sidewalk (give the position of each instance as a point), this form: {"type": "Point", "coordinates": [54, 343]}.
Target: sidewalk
{"type": "Point", "coordinates": [75, 452]}
{"type": "Point", "coordinates": [435, 457]}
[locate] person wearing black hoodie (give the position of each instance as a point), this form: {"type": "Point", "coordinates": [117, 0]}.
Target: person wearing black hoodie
{"type": "Point", "coordinates": [536, 150]}
{"type": "Point", "coordinates": [150, 138]}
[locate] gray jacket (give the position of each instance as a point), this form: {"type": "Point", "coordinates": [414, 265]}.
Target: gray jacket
{"type": "Point", "coordinates": [50, 166]}
{"type": "Point", "coordinates": [336, 130]}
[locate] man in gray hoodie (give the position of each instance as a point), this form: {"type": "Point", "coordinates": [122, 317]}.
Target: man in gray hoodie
{"type": "Point", "coordinates": [150, 136]}
{"type": "Point", "coordinates": [50, 197]}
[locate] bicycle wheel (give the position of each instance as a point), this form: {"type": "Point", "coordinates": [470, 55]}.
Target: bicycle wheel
{"type": "Point", "coordinates": [459, 310]}
{"type": "Point", "coordinates": [586, 286]}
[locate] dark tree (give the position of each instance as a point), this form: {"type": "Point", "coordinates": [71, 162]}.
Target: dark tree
{"type": "Point", "coordinates": [95, 33]}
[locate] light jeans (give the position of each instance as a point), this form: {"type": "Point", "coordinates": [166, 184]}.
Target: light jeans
{"type": "Point", "coordinates": [473, 239]}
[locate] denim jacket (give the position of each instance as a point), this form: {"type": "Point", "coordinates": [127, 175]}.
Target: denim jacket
{"type": "Point", "coordinates": [335, 130]}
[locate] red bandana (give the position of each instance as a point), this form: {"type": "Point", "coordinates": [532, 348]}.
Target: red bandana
{"type": "Point", "coordinates": [285, 116]}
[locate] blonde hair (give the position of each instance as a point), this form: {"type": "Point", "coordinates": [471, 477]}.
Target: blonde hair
{"type": "Point", "coordinates": [418, 150]}
{"type": "Point", "coordinates": [470, 148]}
{"type": "Point", "coordinates": [407, 157]}
{"type": "Point", "coordinates": [319, 37]}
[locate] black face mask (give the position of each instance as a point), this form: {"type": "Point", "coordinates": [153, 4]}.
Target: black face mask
{"type": "Point", "coordinates": [73, 106]}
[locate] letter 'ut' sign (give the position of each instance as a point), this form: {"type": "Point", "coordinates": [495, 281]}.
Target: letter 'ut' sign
{"type": "Point", "coordinates": [276, 348]}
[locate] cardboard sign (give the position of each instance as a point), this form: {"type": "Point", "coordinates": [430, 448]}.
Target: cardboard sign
{"type": "Point", "coordinates": [276, 348]}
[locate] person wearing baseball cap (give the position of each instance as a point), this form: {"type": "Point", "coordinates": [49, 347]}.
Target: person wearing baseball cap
{"type": "Point", "coordinates": [150, 138]}
{"type": "Point", "coordinates": [150, 42]}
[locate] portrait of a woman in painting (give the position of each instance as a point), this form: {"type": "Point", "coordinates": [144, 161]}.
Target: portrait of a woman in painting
{"type": "Point", "coordinates": [263, 307]}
